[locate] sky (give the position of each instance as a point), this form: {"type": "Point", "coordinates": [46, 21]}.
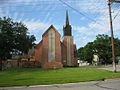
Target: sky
{"type": "Point", "coordinates": [88, 18]}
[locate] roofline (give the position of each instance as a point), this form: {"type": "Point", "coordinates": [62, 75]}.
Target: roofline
{"type": "Point", "coordinates": [49, 29]}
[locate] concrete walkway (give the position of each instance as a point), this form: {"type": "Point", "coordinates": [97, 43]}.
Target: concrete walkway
{"type": "Point", "coordinates": [110, 84]}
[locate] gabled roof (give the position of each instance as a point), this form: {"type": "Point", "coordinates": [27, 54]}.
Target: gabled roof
{"type": "Point", "coordinates": [39, 44]}
{"type": "Point", "coordinates": [49, 29]}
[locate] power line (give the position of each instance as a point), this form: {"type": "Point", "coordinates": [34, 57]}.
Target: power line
{"type": "Point", "coordinates": [36, 3]}
{"type": "Point", "coordinates": [116, 15]}
{"type": "Point", "coordinates": [117, 12]}
{"type": "Point", "coordinates": [117, 1]}
{"type": "Point", "coordinates": [41, 1]}
{"type": "Point", "coordinates": [77, 11]}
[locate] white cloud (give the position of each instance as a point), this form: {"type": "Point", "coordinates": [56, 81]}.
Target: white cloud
{"type": "Point", "coordinates": [96, 9]}
{"type": "Point", "coordinates": [87, 33]}
{"type": "Point", "coordinates": [32, 25]}
{"type": "Point", "coordinates": [25, 1]}
{"type": "Point", "coordinates": [92, 6]}
{"type": "Point", "coordinates": [1, 12]}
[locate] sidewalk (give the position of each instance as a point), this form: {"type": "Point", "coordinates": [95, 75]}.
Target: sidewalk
{"type": "Point", "coordinates": [109, 84]}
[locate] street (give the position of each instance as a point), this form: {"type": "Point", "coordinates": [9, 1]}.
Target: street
{"type": "Point", "coordinates": [110, 84]}
{"type": "Point", "coordinates": [110, 68]}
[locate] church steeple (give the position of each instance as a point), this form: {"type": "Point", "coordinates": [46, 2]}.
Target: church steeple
{"type": "Point", "coordinates": [67, 27]}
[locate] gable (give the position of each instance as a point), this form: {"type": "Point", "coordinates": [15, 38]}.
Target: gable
{"type": "Point", "coordinates": [50, 28]}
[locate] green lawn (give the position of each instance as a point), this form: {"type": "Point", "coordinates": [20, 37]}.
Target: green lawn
{"type": "Point", "coordinates": [35, 76]}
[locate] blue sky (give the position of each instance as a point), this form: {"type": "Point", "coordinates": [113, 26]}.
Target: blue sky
{"type": "Point", "coordinates": [88, 18]}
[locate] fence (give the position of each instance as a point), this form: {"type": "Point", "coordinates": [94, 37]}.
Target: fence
{"type": "Point", "coordinates": [19, 63]}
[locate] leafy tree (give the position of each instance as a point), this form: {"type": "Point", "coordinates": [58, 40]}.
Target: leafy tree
{"type": "Point", "coordinates": [14, 38]}
{"type": "Point", "coordinates": [86, 53]}
{"type": "Point", "coordinates": [81, 53]}
{"type": "Point", "coordinates": [6, 38]}
{"type": "Point", "coordinates": [102, 47]}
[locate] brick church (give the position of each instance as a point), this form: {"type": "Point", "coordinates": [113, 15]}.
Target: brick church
{"type": "Point", "coordinates": [52, 52]}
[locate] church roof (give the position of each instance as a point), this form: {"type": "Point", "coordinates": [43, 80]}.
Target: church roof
{"type": "Point", "coordinates": [49, 29]}
{"type": "Point", "coordinates": [39, 44]}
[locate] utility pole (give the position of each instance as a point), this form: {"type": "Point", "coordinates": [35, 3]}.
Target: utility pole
{"type": "Point", "coordinates": [112, 37]}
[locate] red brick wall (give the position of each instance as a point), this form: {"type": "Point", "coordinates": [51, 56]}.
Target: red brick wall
{"type": "Point", "coordinates": [57, 62]}
{"type": "Point", "coordinates": [45, 46]}
{"type": "Point", "coordinates": [53, 64]}
{"type": "Point", "coordinates": [57, 47]}
{"type": "Point", "coordinates": [37, 54]}
{"type": "Point", "coordinates": [72, 51]}
{"type": "Point", "coordinates": [64, 51]}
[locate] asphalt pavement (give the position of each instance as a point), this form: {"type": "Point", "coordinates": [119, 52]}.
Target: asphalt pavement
{"type": "Point", "coordinates": [110, 68]}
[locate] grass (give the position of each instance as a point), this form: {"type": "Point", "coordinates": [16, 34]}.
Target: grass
{"type": "Point", "coordinates": [35, 76]}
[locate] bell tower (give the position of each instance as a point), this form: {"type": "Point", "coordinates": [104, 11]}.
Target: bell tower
{"type": "Point", "coordinates": [67, 28]}
{"type": "Point", "coordinates": [67, 44]}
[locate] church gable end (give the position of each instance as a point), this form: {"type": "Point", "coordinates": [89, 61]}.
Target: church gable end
{"type": "Point", "coordinates": [51, 49]}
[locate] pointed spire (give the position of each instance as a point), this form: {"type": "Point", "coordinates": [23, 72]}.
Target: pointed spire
{"type": "Point", "coordinates": [67, 27]}
{"type": "Point", "coordinates": [67, 18]}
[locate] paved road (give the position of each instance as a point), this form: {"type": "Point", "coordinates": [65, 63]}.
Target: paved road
{"type": "Point", "coordinates": [110, 84]}
{"type": "Point", "coordinates": [110, 68]}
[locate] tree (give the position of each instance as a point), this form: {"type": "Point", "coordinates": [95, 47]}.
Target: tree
{"type": "Point", "coordinates": [23, 42]}
{"type": "Point", "coordinates": [14, 38]}
{"type": "Point", "coordinates": [102, 47]}
{"type": "Point", "coordinates": [86, 53]}
{"type": "Point", "coordinates": [81, 53]}
{"type": "Point", "coordinates": [6, 38]}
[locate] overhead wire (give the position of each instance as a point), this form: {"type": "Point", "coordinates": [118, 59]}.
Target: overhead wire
{"type": "Point", "coordinates": [78, 11]}
{"type": "Point", "coordinates": [63, 2]}
{"type": "Point", "coordinates": [97, 14]}
{"type": "Point", "coordinates": [116, 15]}
{"type": "Point", "coordinates": [115, 8]}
